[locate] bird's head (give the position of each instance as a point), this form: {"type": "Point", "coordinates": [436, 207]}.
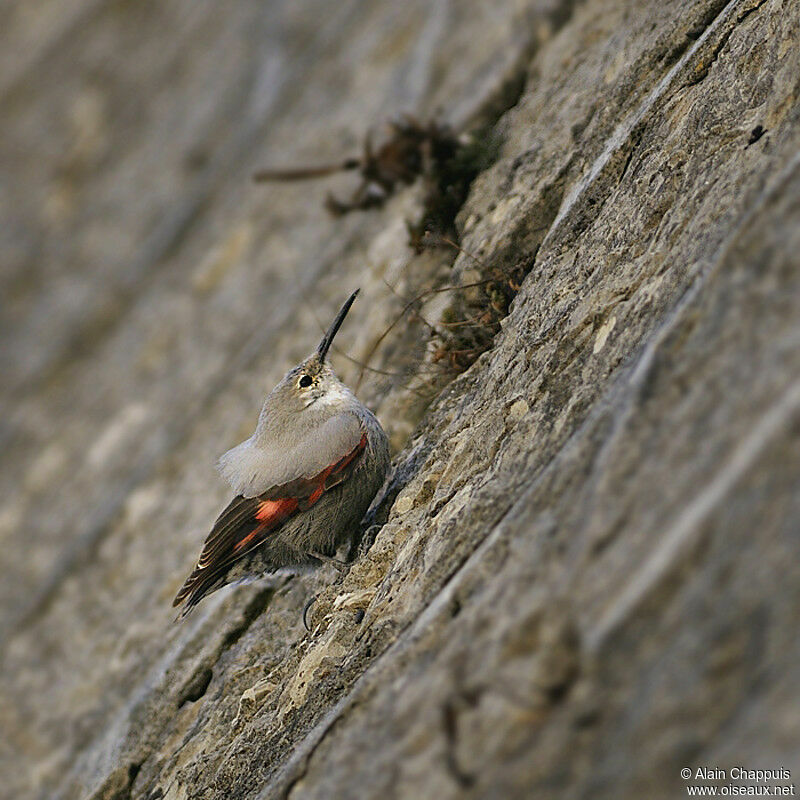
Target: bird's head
{"type": "Point", "coordinates": [312, 384]}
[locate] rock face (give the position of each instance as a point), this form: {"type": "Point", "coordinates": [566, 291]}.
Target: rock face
{"type": "Point", "coordinates": [583, 575]}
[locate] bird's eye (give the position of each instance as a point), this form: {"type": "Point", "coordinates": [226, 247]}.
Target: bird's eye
{"type": "Point", "coordinates": [305, 382]}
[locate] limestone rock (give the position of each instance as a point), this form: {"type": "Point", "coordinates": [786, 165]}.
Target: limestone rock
{"type": "Point", "coordinates": [584, 575]}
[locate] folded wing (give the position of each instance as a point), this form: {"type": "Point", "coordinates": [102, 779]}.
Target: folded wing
{"type": "Point", "coordinates": [247, 522]}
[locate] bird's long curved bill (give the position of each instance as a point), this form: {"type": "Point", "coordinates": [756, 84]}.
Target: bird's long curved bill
{"type": "Point", "coordinates": [327, 339]}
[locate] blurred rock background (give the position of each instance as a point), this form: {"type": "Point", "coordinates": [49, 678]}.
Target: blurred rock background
{"type": "Point", "coordinates": [587, 574]}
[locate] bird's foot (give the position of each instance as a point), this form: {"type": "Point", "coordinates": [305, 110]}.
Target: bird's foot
{"type": "Point", "coordinates": [334, 562]}
{"type": "Point", "coordinates": [305, 612]}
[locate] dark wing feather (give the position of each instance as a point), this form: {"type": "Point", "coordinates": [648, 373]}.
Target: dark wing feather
{"type": "Point", "coordinates": [248, 521]}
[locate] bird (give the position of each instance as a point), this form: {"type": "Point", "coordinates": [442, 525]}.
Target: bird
{"type": "Point", "coordinates": [303, 481]}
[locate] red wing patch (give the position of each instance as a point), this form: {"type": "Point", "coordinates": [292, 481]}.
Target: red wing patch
{"type": "Point", "coordinates": [270, 513]}
{"type": "Point", "coordinates": [248, 521]}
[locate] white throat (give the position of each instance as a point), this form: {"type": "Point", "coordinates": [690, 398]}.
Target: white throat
{"type": "Point", "coordinates": [336, 396]}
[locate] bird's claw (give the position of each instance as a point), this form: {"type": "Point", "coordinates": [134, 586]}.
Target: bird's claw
{"type": "Point", "coordinates": [305, 612]}
{"type": "Point", "coordinates": [341, 566]}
